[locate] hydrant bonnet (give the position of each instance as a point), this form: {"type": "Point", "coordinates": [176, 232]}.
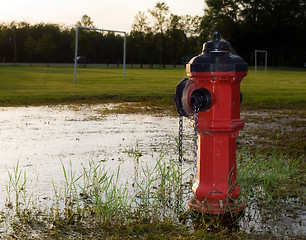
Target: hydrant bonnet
{"type": "Point", "coordinates": [216, 58]}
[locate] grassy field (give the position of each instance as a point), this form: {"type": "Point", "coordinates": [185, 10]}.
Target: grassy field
{"type": "Point", "coordinates": [38, 85]}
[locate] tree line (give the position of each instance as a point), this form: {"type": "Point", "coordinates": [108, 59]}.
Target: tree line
{"type": "Point", "coordinates": [161, 37]}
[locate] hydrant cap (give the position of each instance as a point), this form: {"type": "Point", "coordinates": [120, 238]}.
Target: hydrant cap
{"type": "Point", "coordinates": [216, 45]}
{"type": "Point", "coordinates": [216, 57]}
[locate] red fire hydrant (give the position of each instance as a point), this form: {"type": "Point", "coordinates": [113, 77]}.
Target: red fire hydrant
{"type": "Point", "coordinates": [212, 99]}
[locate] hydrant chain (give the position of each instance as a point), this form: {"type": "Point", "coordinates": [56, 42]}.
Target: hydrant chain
{"type": "Point", "coordinates": [181, 140]}
{"type": "Point", "coordinates": [195, 141]}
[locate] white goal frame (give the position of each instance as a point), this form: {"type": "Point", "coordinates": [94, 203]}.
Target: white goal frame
{"type": "Point", "coordinates": [266, 58]}
{"type": "Point", "coordinates": [97, 29]}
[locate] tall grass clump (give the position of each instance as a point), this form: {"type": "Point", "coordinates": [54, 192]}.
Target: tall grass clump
{"type": "Point", "coordinates": [102, 194]}
{"type": "Point", "coordinates": [269, 176]}
{"type": "Point", "coordinates": [17, 185]}
{"type": "Point", "coordinates": [160, 190]}
{"type": "Point", "coordinates": [155, 194]}
{"type": "Point", "coordinates": [93, 193]}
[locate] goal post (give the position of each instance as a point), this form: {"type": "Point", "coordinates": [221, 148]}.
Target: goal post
{"type": "Point", "coordinates": [97, 29]}
{"type": "Point", "coordinates": [266, 58]}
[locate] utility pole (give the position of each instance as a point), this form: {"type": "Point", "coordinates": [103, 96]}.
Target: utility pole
{"type": "Point", "coordinates": [15, 49]}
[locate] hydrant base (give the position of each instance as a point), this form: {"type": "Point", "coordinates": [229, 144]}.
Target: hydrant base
{"type": "Point", "coordinates": [216, 207]}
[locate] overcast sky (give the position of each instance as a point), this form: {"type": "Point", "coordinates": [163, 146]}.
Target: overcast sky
{"type": "Point", "coordinates": [111, 14]}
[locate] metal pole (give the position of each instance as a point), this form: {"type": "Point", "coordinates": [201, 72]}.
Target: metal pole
{"type": "Point", "coordinates": [15, 49]}
{"type": "Point", "coordinates": [255, 61]}
{"type": "Point", "coordinates": [76, 53]}
{"type": "Point", "coordinates": [124, 55]}
{"type": "Point", "coordinates": [266, 60]}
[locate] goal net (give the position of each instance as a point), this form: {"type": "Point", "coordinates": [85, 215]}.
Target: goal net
{"type": "Point", "coordinates": [261, 58]}
{"type": "Point", "coordinates": [97, 29]}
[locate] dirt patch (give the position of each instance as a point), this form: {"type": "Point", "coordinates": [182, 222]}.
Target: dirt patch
{"type": "Point", "coordinates": [284, 130]}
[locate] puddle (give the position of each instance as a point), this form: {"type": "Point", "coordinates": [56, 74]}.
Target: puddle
{"type": "Point", "coordinates": [40, 138]}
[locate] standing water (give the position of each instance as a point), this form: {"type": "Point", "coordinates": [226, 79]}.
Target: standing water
{"type": "Point", "coordinates": [41, 139]}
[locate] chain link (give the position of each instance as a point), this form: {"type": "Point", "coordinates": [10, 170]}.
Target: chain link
{"type": "Point", "coordinates": [195, 141]}
{"type": "Point", "coordinates": [181, 121]}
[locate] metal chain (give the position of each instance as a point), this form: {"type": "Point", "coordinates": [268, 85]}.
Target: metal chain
{"type": "Point", "coordinates": [195, 141]}
{"type": "Point", "coordinates": [181, 140]}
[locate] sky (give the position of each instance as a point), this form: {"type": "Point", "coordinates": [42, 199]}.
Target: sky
{"type": "Point", "coordinates": [107, 14]}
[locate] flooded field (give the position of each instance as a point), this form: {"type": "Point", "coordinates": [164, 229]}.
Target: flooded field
{"type": "Point", "coordinates": [40, 138]}
{"type": "Point", "coordinates": [43, 138]}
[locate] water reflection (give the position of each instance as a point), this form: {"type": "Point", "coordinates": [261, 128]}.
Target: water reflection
{"type": "Point", "coordinates": [41, 137]}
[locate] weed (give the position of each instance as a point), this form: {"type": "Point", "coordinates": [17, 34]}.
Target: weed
{"type": "Point", "coordinates": [268, 175]}
{"type": "Point", "coordinates": [17, 184]}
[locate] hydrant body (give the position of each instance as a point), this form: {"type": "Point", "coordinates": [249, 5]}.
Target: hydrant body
{"type": "Point", "coordinates": [214, 92]}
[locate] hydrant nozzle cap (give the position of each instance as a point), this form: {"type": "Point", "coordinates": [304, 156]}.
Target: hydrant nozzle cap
{"type": "Point", "coordinates": [216, 45]}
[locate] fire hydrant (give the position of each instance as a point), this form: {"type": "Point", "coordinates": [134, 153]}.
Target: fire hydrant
{"type": "Point", "coordinates": [211, 98]}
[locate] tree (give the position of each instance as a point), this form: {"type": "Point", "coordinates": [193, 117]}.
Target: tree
{"type": "Point", "coordinates": [192, 29]}
{"type": "Point", "coordinates": [275, 26]}
{"type": "Point", "coordinates": [222, 16]}
{"type": "Point", "coordinates": [86, 22]}
{"type": "Point", "coordinates": [46, 47]}
{"type": "Point", "coordinates": [160, 13]}
{"type": "Point", "coordinates": [30, 47]}
{"type": "Point", "coordinates": [140, 23]}
{"type": "Point", "coordinates": [176, 36]}
{"type": "Point", "coordinates": [140, 28]}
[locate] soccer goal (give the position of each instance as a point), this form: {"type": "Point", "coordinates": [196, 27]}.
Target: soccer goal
{"type": "Point", "coordinates": [265, 58]}
{"type": "Point", "coordinates": [97, 29]}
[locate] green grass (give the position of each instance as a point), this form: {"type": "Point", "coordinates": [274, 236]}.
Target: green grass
{"type": "Point", "coordinates": [276, 88]}
{"type": "Point", "coordinates": [37, 85]}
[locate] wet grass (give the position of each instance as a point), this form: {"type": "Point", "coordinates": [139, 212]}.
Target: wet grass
{"type": "Point", "coordinates": [268, 129]}
{"type": "Point", "coordinates": [96, 204]}
{"type": "Point", "coordinates": [37, 85]}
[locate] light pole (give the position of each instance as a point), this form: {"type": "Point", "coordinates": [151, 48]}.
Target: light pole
{"type": "Point", "coordinates": [15, 49]}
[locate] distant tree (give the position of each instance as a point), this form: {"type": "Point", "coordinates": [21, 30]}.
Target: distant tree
{"type": "Point", "coordinates": [275, 26]}
{"type": "Point", "coordinates": [46, 47]}
{"type": "Point", "coordinates": [191, 26]}
{"type": "Point", "coordinates": [175, 33]}
{"type": "Point", "coordinates": [140, 28]}
{"type": "Point", "coordinates": [86, 22]}
{"type": "Point", "coordinates": [222, 16]}
{"type": "Point", "coordinates": [160, 13]}
{"type": "Point", "coordinates": [140, 23]}
{"type": "Point", "coordinates": [30, 47]}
